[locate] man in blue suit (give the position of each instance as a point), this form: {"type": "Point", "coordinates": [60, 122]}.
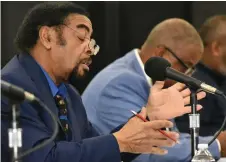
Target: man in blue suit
{"type": "Point", "coordinates": [123, 85]}
{"type": "Point", "coordinates": [54, 40]}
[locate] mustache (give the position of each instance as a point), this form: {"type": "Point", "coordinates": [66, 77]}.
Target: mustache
{"type": "Point", "coordinates": [89, 59]}
{"type": "Point", "coordinates": [86, 61]}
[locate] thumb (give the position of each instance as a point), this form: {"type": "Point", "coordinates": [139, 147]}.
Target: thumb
{"type": "Point", "coordinates": [157, 86]}
{"type": "Point", "coordinates": [143, 112]}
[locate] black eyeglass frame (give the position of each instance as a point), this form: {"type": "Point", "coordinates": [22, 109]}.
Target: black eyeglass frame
{"type": "Point", "coordinates": [190, 70]}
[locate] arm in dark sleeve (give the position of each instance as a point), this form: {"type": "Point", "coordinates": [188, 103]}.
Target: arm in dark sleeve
{"type": "Point", "coordinates": [96, 149]}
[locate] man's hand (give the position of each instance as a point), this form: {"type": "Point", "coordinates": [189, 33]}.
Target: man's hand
{"type": "Point", "coordinates": [142, 137]}
{"type": "Point", "coordinates": [222, 140]}
{"type": "Point", "coordinates": [169, 103]}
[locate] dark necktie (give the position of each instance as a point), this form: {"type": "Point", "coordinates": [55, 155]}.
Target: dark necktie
{"type": "Point", "coordinates": [61, 104]}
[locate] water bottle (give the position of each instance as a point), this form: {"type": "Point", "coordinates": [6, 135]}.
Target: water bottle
{"type": "Point", "coordinates": [203, 154]}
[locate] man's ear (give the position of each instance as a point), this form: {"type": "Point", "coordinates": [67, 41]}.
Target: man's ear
{"type": "Point", "coordinates": [159, 52]}
{"type": "Point", "coordinates": [45, 37]}
{"type": "Point", "coordinates": [215, 48]}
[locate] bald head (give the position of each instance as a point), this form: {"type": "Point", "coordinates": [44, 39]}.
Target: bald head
{"type": "Point", "coordinates": [184, 45]}
{"type": "Point", "coordinates": [174, 32]}
{"type": "Point", "coordinates": [178, 35]}
{"type": "Point", "coordinates": [213, 29]}
{"type": "Point", "coordinates": [213, 34]}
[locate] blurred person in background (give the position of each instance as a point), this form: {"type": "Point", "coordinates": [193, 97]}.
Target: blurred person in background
{"type": "Point", "coordinates": [211, 70]}
{"type": "Point", "coordinates": [123, 85]}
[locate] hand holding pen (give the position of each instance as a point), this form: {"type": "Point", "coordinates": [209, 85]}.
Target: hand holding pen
{"type": "Point", "coordinates": [161, 131]}
{"type": "Point", "coordinates": [137, 136]}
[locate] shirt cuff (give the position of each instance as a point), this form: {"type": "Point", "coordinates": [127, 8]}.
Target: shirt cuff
{"type": "Point", "coordinates": [219, 145]}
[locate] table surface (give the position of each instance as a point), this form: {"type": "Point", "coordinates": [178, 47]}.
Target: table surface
{"type": "Point", "coordinates": [222, 160]}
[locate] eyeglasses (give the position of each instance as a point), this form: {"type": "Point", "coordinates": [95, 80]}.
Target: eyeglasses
{"type": "Point", "coordinates": [92, 43]}
{"type": "Point", "coordinates": [189, 71]}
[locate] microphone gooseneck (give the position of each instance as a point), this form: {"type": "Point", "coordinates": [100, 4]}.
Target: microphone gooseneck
{"type": "Point", "coordinates": [160, 69]}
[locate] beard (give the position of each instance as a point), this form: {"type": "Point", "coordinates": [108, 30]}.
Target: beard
{"type": "Point", "coordinates": [79, 72]}
{"type": "Point", "coordinates": [222, 68]}
{"type": "Point", "coordinates": [75, 76]}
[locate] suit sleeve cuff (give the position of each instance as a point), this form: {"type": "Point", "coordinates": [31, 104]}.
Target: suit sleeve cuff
{"type": "Point", "coordinates": [215, 149]}
{"type": "Point", "coordinates": [107, 145]}
{"type": "Point", "coordinates": [219, 145]}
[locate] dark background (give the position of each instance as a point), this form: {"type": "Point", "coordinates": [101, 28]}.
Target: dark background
{"type": "Point", "coordinates": [118, 26]}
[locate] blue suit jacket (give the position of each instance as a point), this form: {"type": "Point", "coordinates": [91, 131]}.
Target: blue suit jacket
{"type": "Point", "coordinates": [37, 125]}
{"type": "Point", "coordinates": [122, 87]}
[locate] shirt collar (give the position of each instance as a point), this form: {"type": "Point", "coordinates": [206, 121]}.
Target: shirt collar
{"type": "Point", "coordinates": [149, 80]}
{"type": "Point", "coordinates": [61, 89]}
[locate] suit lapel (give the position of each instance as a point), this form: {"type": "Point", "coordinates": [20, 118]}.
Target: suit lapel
{"type": "Point", "coordinates": [41, 84]}
{"type": "Point", "coordinates": [134, 64]}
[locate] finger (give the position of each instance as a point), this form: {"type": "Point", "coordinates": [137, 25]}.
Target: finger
{"type": "Point", "coordinates": [179, 86]}
{"type": "Point", "coordinates": [199, 107]}
{"type": "Point", "coordinates": [157, 151]}
{"type": "Point", "coordinates": [201, 95]}
{"type": "Point", "coordinates": [157, 86]}
{"type": "Point", "coordinates": [158, 124]}
{"type": "Point", "coordinates": [186, 92]}
{"type": "Point", "coordinates": [187, 100]}
{"type": "Point", "coordinates": [155, 134]}
{"type": "Point", "coordinates": [187, 109]}
{"type": "Point", "coordinates": [143, 112]}
{"type": "Point", "coordinates": [174, 135]}
{"type": "Point", "coordinates": [158, 135]}
{"type": "Point", "coordinates": [163, 143]}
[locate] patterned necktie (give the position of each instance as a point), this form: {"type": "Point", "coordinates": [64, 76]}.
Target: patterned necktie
{"type": "Point", "coordinates": [61, 104]}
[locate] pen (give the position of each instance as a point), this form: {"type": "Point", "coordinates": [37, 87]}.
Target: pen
{"type": "Point", "coordinates": [145, 120]}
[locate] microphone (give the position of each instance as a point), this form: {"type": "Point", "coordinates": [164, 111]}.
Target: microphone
{"type": "Point", "coordinates": [16, 93]}
{"type": "Point", "coordinates": [159, 69]}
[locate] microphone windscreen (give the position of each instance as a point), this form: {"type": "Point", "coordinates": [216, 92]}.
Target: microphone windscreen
{"type": "Point", "coordinates": [155, 68]}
